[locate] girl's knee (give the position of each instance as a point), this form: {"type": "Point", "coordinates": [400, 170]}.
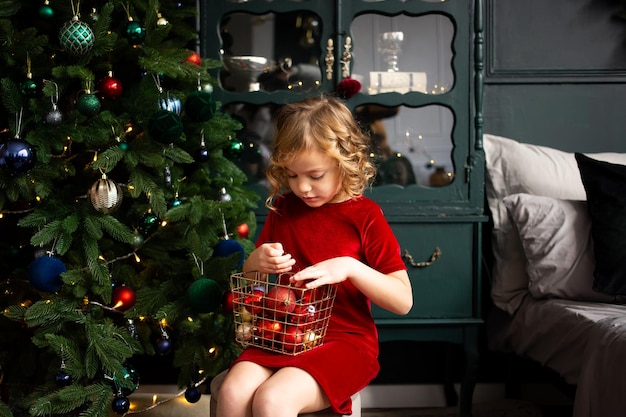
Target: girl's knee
{"type": "Point", "coordinates": [227, 389]}
{"type": "Point", "coordinates": [267, 401]}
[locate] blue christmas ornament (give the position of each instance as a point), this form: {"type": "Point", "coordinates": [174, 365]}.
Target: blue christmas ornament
{"type": "Point", "coordinates": [172, 104]}
{"type": "Point", "coordinates": [228, 247]}
{"type": "Point", "coordinates": [44, 273]}
{"type": "Point", "coordinates": [120, 404]}
{"type": "Point", "coordinates": [193, 394]}
{"type": "Point", "coordinates": [16, 156]}
{"type": "Point", "coordinates": [63, 379]}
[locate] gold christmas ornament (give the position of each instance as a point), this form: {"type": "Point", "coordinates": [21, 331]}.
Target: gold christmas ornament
{"type": "Point", "coordinates": [105, 195]}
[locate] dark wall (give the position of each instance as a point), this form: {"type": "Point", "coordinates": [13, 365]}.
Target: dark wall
{"type": "Point", "coordinates": [555, 73]}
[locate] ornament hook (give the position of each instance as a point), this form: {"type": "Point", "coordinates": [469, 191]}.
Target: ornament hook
{"type": "Point", "coordinates": [55, 97]}
{"type": "Point", "coordinates": [157, 82]}
{"type": "Point", "coordinates": [18, 123]}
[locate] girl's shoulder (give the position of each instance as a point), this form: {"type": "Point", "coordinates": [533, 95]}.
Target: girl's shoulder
{"type": "Point", "coordinates": [361, 205]}
{"type": "Point", "coordinates": [364, 202]}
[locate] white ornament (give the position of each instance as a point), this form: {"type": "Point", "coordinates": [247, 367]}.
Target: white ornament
{"type": "Point", "coordinates": [105, 195]}
{"type": "Point", "coordinates": [243, 332]}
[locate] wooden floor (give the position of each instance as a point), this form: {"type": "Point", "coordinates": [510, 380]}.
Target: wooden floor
{"type": "Point", "coordinates": [500, 408]}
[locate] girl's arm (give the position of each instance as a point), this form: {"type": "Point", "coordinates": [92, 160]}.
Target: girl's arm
{"type": "Point", "coordinates": [389, 291]}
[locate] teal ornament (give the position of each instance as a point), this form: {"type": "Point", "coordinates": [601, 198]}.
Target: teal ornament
{"type": "Point", "coordinates": [76, 37]}
{"type": "Point", "coordinates": [127, 381]}
{"type": "Point", "coordinates": [228, 247]}
{"type": "Point", "coordinates": [204, 295]}
{"type": "Point", "coordinates": [174, 203]}
{"type": "Point", "coordinates": [46, 12]}
{"type": "Point", "coordinates": [165, 126]}
{"type": "Point", "coordinates": [234, 149]}
{"type": "Point", "coordinates": [200, 106]}
{"type": "Point", "coordinates": [44, 273]}
{"type": "Point", "coordinates": [16, 156]}
{"type": "Point", "coordinates": [135, 33]}
{"type": "Point", "coordinates": [149, 222]}
{"type": "Point", "coordinates": [88, 104]}
{"type": "Point", "coordinates": [30, 89]}
{"type": "Point", "coordinates": [123, 146]}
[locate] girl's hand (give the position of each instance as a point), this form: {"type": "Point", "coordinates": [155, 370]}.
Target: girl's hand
{"type": "Point", "coordinates": [269, 258]}
{"type": "Point", "coordinates": [390, 291]}
{"type": "Point", "coordinates": [330, 271]}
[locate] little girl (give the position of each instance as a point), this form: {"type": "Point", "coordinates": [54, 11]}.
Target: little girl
{"type": "Point", "coordinates": [322, 229]}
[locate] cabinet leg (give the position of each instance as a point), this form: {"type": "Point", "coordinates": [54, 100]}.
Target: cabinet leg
{"type": "Point", "coordinates": [470, 376]}
{"type": "Point", "coordinates": [452, 399]}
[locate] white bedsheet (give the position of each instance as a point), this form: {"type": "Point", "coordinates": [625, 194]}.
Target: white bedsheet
{"type": "Point", "coordinates": [584, 342]}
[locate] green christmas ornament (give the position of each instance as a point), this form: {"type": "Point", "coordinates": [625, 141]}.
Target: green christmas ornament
{"type": "Point", "coordinates": [126, 382]}
{"type": "Point", "coordinates": [137, 240]}
{"type": "Point", "coordinates": [76, 37]}
{"type": "Point", "coordinates": [204, 295]}
{"type": "Point", "coordinates": [234, 149]}
{"type": "Point", "coordinates": [200, 106]}
{"type": "Point", "coordinates": [135, 32]}
{"type": "Point", "coordinates": [30, 88]}
{"type": "Point", "coordinates": [88, 104]}
{"type": "Point", "coordinates": [46, 12]}
{"type": "Point", "coordinates": [165, 126]}
{"type": "Point", "coordinates": [149, 222]}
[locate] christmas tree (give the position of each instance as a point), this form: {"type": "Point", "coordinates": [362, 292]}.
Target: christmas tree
{"type": "Point", "coordinates": [122, 209]}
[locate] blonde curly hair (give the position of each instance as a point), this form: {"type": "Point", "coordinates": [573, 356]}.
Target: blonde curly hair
{"type": "Point", "coordinates": [325, 124]}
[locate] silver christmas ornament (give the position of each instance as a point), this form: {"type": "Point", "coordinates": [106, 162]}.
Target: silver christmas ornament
{"type": "Point", "coordinates": [105, 195]}
{"type": "Point", "coordinates": [161, 21]}
{"type": "Point", "coordinates": [224, 196]}
{"type": "Point", "coordinates": [54, 117]}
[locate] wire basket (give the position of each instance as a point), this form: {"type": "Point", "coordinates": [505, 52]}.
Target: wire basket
{"type": "Point", "coordinates": [276, 316]}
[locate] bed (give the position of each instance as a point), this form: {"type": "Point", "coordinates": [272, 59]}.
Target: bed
{"type": "Point", "coordinates": [558, 281]}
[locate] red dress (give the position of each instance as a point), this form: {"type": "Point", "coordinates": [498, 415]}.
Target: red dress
{"type": "Point", "coordinates": [348, 359]}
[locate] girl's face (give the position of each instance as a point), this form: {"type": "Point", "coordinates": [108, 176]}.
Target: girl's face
{"type": "Point", "coordinates": [314, 177]}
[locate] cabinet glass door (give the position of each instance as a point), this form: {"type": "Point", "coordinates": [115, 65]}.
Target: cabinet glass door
{"type": "Point", "coordinates": [401, 52]}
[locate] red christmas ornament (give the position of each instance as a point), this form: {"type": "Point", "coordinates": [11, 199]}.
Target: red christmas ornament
{"type": "Point", "coordinates": [123, 298]}
{"type": "Point", "coordinates": [348, 87]}
{"type": "Point", "coordinates": [243, 230]}
{"type": "Point", "coordinates": [194, 58]}
{"type": "Point", "coordinates": [110, 87]}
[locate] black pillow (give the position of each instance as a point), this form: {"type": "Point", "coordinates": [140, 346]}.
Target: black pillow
{"type": "Point", "coordinates": [605, 185]}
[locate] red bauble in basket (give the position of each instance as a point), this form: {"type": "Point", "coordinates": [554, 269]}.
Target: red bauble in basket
{"type": "Point", "coordinates": [292, 338]}
{"type": "Point", "coordinates": [280, 300]}
{"type": "Point", "coordinates": [267, 329]}
{"type": "Point", "coordinates": [254, 301]}
{"type": "Point", "coordinates": [304, 314]}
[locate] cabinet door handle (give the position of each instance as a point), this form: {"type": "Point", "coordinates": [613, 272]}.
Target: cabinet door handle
{"type": "Point", "coordinates": [433, 257]}
{"type": "Point", "coordinates": [330, 59]}
{"type": "Point", "coordinates": [346, 58]}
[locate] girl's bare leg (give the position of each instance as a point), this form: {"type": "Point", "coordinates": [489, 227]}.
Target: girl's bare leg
{"type": "Point", "coordinates": [238, 389]}
{"type": "Point", "coordinates": [287, 393]}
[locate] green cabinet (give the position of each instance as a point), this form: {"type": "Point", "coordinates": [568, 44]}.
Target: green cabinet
{"type": "Point", "coordinates": [441, 291]}
{"type": "Point", "coordinates": [419, 67]}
